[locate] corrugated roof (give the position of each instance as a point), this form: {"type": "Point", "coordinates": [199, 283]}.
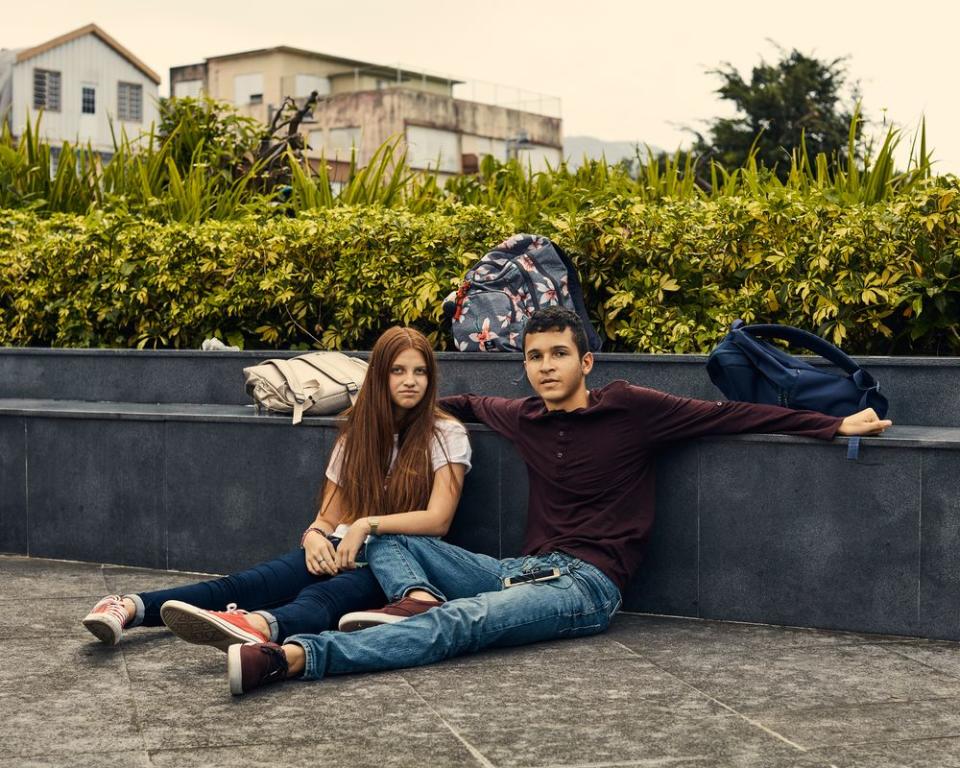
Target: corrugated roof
{"type": "Point", "coordinates": [89, 29]}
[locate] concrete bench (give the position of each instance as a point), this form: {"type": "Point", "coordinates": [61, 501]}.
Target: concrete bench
{"type": "Point", "coordinates": [924, 391]}
{"type": "Point", "coordinates": [764, 528]}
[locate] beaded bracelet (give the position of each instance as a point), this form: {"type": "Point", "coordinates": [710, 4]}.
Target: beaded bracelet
{"type": "Point", "coordinates": [304, 536]}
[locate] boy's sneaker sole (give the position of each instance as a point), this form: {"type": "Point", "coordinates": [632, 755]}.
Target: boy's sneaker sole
{"type": "Point", "coordinates": [351, 622]}
{"type": "Point", "coordinates": [202, 627]}
{"type": "Point", "coordinates": [399, 610]}
{"type": "Point", "coordinates": [235, 670]}
{"type": "Point", "coordinates": [106, 631]}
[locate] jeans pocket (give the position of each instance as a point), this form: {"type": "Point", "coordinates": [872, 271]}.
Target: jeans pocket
{"type": "Point", "coordinates": [595, 606]}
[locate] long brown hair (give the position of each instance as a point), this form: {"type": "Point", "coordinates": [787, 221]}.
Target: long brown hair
{"type": "Point", "coordinates": [368, 484]}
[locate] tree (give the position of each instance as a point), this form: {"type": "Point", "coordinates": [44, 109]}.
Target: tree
{"type": "Point", "coordinates": [798, 98]}
{"type": "Point", "coordinates": [205, 131]}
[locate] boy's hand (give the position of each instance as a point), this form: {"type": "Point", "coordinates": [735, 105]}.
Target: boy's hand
{"type": "Point", "coordinates": [865, 422]}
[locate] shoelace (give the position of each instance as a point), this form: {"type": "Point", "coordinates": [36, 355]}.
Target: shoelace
{"type": "Point", "coordinates": [112, 604]}
{"type": "Point", "coordinates": [232, 608]}
{"type": "Point", "coordinates": [278, 662]}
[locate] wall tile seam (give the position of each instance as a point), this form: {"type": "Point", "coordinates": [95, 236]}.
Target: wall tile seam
{"type": "Point", "coordinates": [920, 540]}
{"type": "Point", "coordinates": [699, 601]}
{"type": "Point", "coordinates": [164, 510]}
{"type": "Point", "coordinates": [26, 483]}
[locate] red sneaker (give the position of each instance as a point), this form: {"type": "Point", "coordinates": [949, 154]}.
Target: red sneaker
{"type": "Point", "coordinates": [389, 614]}
{"type": "Point", "coordinates": [107, 619]}
{"type": "Point", "coordinates": [221, 629]}
{"type": "Point", "coordinates": [253, 665]}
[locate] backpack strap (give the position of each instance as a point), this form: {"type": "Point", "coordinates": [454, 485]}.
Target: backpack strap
{"type": "Point", "coordinates": [801, 338]}
{"type": "Point", "coordinates": [744, 337]}
{"type": "Point", "coordinates": [336, 368]}
{"type": "Point", "coordinates": [576, 296]}
{"type": "Point", "coordinates": [853, 448]}
{"type": "Point", "coordinates": [293, 383]}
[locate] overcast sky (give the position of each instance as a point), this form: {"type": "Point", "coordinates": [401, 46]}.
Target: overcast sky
{"type": "Point", "coordinates": [630, 71]}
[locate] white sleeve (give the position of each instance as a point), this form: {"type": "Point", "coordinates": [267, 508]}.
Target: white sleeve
{"type": "Point", "coordinates": [336, 463]}
{"type": "Point", "coordinates": [455, 447]}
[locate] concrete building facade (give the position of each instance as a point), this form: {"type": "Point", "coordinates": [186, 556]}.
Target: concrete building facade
{"type": "Point", "coordinates": [81, 82]}
{"type": "Point", "coordinates": [362, 105]}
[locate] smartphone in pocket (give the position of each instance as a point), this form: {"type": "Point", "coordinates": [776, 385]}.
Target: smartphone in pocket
{"type": "Point", "coordinates": [545, 574]}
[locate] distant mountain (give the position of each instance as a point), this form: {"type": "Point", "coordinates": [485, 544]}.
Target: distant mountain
{"type": "Point", "coordinates": [576, 147]}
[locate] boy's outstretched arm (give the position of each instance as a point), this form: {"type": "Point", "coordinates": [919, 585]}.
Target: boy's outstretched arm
{"type": "Point", "coordinates": [865, 422]}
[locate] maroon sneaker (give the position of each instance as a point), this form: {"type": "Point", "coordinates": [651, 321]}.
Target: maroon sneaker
{"type": "Point", "coordinates": [255, 664]}
{"type": "Point", "coordinates": [389, 614]}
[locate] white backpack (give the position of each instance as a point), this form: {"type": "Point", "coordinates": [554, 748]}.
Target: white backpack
{"type": "Point", "coordinates": [315, 384]}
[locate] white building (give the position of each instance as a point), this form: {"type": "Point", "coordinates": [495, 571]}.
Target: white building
{"type": "Point", "coordinates": [81, 82]}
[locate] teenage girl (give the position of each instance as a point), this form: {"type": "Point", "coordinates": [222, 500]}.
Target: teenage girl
{"type": "Point", "coordinates": [397, 467]}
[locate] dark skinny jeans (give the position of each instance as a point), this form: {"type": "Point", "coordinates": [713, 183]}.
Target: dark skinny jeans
{"type": "Point", "coordinates": [292, 599]}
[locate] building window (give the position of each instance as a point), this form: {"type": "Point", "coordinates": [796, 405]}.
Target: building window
{"type": "Point", "coordinates": [188, 88]}
{"type": "Point", "coordinates": [248, 89]}
{"type": "Point", "coordinates": [434, 149]}
{"type": "Point", "coordinates": [304, 85]}
{"type": "Point", "coordinates": [46, 90]}
{"type": "Point", "coordinates": [130, 102]}
{"type": "Point", "coordinates": [339, 143]}
{"type": "Point", "coordinates": [88, 101]}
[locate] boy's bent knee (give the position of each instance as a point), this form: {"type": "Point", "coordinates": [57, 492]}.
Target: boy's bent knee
{"type": "Point", "coordinates": [378, 542]}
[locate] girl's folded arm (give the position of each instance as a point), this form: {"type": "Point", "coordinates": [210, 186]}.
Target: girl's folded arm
{"type": "Point", "coordinates": [435, 520]}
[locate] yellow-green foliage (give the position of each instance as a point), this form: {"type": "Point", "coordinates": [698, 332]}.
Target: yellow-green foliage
{"type": "Point", "coordinates": [660, 276]}
{"type": "Point", "coordinates": [340, 276]}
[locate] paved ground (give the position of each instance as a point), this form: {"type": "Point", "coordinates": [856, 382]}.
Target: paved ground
{"type": "Point", "coordinates": [650, 692]}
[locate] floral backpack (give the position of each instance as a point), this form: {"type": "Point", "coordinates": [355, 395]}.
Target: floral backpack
{"type": "Point", "coordinates": [522, 274]}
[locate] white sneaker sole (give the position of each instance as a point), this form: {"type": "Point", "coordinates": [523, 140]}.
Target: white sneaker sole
{"type": "Point", "coordinates": [105, 628]}
{"type": "Point", "coordinates": [351, 622]}
{"type": "Point", "coordinates": [201, 627]}
{"type": "Point", "coordinates": [234, 670]}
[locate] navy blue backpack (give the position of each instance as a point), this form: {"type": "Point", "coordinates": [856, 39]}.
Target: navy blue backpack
{"type": "Point", "coordinates": [745, 367]}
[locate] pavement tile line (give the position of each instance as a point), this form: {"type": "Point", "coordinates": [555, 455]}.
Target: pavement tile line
{"type": "Point", "coordinates": [653, 762]}
{"type": "Point", "coordinates": [922, 740]}
{"type": "Point", "coordinates": [854, 638]}
{"type": "Point", "coordinates": [477, 754]}
{"type": "Point", "coordinates": [726, 706]}
{"type": "Point", "coordinates": [135, 712]}
{"type": "Point", "coordinates": [932, 668]}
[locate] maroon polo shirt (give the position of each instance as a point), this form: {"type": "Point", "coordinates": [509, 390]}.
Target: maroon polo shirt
{"type": "Point", "coordinates": [592, 469]}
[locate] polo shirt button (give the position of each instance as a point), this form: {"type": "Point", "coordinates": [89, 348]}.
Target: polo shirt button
{"type": "Point", "coordinates": [562, 433]}
{"type": "Point", "coordinates": [559, 455]}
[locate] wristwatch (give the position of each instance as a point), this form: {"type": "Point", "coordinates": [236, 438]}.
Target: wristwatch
{"type": "Point", "coordinates": [374, 523]}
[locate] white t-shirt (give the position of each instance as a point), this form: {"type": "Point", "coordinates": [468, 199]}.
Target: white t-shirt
{"type": "Point", "coordinates": [452, 446]}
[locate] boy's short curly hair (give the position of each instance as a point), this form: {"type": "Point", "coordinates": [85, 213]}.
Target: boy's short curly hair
{"type": "Point", "coordinates": [556, 319]}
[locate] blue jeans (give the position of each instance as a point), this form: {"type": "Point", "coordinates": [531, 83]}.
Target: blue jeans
{"type": "Point", "coordinates": [298, 600]}
{"type": "Point", "coordinates": [479, 612]}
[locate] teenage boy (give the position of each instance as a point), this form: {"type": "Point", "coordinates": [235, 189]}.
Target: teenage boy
{"type": "Point", "coordinates": [590, 459]}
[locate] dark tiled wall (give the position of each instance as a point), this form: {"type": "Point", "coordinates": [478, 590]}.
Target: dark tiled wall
{"type": "Point", "coordinates": [764, 530]}
{"type": "Point", "coordinates": [14, 524]}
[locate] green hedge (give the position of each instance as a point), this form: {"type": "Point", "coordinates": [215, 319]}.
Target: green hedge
{"type": "Point", "coordinates": [664, 277]}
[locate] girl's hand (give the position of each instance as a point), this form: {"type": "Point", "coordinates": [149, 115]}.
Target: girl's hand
{"type": "Point", "coordinates": [351, 544]}
{"type": "Point", "coordinates": [320, 556]}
